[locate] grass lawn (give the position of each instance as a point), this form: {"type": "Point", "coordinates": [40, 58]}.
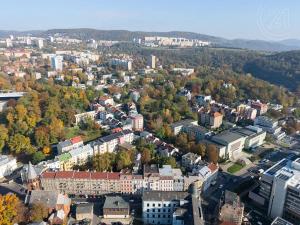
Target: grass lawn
{"type": "Point", "coordinates": [86, 135]}
{"type": "Point", "coordinates": [234, 168]}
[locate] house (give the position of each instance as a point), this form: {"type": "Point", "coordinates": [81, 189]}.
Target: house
{"type": "Point", "coordinates": [68, 145]}
{"type": "Point", "coordinates": [83, 116]}
{"type": "Point", "coordinates": [211, 119]}
{"type": "Point", "coordinates": [84, 211]}
{"type": "Point", "coordinates": [189, 160]}
{"type": "Point", "coordinates": [106, 100]}
{"type": "Point", "coordinates": [198, 132]}
{"type": "Point", "coordinates": [115, 207]}
{"type": "Point", "coordinates": [178, 126]}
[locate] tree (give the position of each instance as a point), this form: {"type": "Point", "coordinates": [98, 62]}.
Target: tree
{"type": "Point", "coordinates": [41, 136]}
{"type": "Point", "coordinates": [20, 144]}
{"type": "Point", "coordinates": [200, 149]}
{"type": "Point", "coordinates": [3, 136]}
{"type": "Point", "coordinates": [37, 212]}
{"type": "Point", "coordinates": [123, 159]}
{"type": "Point", "coordinates": [56, 129]}
{"type": "Point", "coordinates": [212, 153]}
{"type": "Point", "coordinates": [46, 150]}
{"type": "Point", "coordinates": [38, 157]}
{"type": "Point", "coordinates": [146, 156]}
{"type": "Point", "coordinates": [11, 209]}
{"type": "Point", "coordinates": [103, 162]}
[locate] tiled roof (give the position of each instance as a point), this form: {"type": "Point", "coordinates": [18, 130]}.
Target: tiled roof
{"type": "Point", "coordinates": [76, 139]}
{"type": "Point", "coordinates": [82, 175]}
{"type": "Point", "coordinates": [64, 174]}
{"type": "Point", "coordinates": [212, 167]}
{"type": "Point", "coordinates": [48, 175]}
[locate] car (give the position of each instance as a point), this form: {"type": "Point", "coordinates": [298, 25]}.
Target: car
{"type": "Point", "coordinates": [221, 186]}
{"type": "Point", "coordinates": [131, 200]}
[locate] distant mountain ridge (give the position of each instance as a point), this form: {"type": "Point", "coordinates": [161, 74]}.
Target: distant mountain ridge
{"type": "Point", "coordinates": [125, 35]}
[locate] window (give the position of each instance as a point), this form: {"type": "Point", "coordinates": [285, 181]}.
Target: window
{"type": "Point", "coordinates": [153, 210]}
{"type": "Point", "coordinates": [159, 204]}
{"type": "Point", "coordinates": [158, 210]}
{"type": "Point", "coordinates": [153, 204]}
{"type": "Point", "coordinates": [153, 216]}
{"type": "Point", "coordinates": [148, 204]}
{"type": "Point", "coordinates": [148, 210]}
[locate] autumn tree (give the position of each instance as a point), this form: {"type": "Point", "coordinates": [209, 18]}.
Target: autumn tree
{"type": "Point", "coordinates": [41, 136]}
{"type": "Point", "coordinates": [123, 159]}
{"type": "Point", "coordinates": [103, 162]}
{"type": "Point", "coordinates": [3, 136]}
{"type": "Point", "coordinates": [11, 209]}
{"type": "Point", "coordinates": [212, 153]}
{"type": "Point", "coordinates": [146, 156]}
{"type": "Point", "coordinates": [18, 143]}
{"type": "Point", "coordinates": [37, 212]}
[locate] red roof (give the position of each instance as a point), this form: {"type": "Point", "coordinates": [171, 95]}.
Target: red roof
{"type": "Point", "coordinates": [64, 174]}
{"type": "Point", "coordinates": [82, 175]}
{"type": "Point", "coordinates": [216, 114]}
{"type": "Point", "coordinates": [76, 139]}
{"type": "Point", "coordinates": [48, 175]}
{"type": "Point", "coordinates": [98, 175]}
{"type": "Point", "coordinates": [212, 167]}
{"type": "Point", "coordinates": [113, 176]}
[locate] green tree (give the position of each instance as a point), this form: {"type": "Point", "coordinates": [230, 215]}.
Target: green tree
{"type": "Point", "coordinates": [20, 144]}
{"type": "Point", "coordinates": [41, 136]}
{"type": "Point", "coordinates": [123, 159]}
{"type": "Point", "coordinates": [38, 157]}
{"type": "Point", "coordinates": [146, 156]}
{"type": "Point", "coordinates": [103, 162]}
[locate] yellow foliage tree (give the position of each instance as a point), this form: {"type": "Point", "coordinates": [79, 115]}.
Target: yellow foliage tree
{"type": "Point", "coordinates": [47, 150]}
{"type": "Point", "coordinates": [11, 209]}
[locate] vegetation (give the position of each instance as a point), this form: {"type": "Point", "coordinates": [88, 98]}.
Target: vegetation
{"type": "Point", "coordinates": [235, 168]}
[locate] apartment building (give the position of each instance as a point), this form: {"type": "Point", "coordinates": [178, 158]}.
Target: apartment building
{"type": "Point", "coordinates": [110, 143]}
{"type": "Point", "coordinates": [178, 126]}
{"type": "Point", "coordinates": [68, 145]}
{"type": "Point", "coordinates": [270, 126]}
{"type": "Point", "coordinates": [137, 122]}
{"type": "Point", "coordinates": [260, 107]}
{"type": "Point", "coordinates": [211, 119]}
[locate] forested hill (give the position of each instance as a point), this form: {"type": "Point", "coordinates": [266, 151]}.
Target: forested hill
{"type": "Point", "coordinates": [280, 69]}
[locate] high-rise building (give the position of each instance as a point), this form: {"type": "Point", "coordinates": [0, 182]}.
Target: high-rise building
{"type": "Point", "coordinates": [40, 43]}
{"type": "Point", "coordinates": [137, 122]}
{"type": "Point", "coordinates": [9, 43]}
{"type": "Point", "coordinates": [280, 189]}
{"type": "Point", "coordinates": [152, 61]}
{"type": "Point", "coordinates": [57, 63]}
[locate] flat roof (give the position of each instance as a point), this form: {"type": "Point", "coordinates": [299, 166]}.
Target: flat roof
{"type": "Point", "coordinates": [227, 136]}
{"type": "Point", "coordinates": [112, 202]}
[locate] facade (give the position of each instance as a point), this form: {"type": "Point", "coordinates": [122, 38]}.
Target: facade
{"type": "Point", "coordinates": [260, 107]}
{"type": "Point", "coordinates": [83, 116]}
{"type": "Point", "coordinates": [124, 63]}
{"type": "Point", "coordinates": [152, 61]}
{"type": "Point", "coordinates": [178, 126]}
{"type": "Point", "coordinates": [280, 190]}
{"type": "Point", "coordinates": [211, 119]}
{"type": "Point", "coordinates": [234, 143]}
{"type": "Point", "coordinates": [68, 145]}
{"type": "Point", "coordinates": [137, 122]}
{"type": "Point", "coordinates": [8, 165]}
{"type": "Point", "coordinates": [270, 126]}
{"type": "Point", "coordinates": [189, 160]}
{"type": "Point", "coordinates": [57, 63]}
{"type": "Point", "coordinates": [280, 221]}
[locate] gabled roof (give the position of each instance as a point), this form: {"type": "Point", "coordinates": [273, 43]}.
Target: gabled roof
{"type": "Point", "coordinates": [75, 140]}
{"type": "Point", "coordinates": [31, 173]}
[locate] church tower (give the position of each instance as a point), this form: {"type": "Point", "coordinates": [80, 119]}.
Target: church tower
{"type": "Point", "coordinates": [33, 182]}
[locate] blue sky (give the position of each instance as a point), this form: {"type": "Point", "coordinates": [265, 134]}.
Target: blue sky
{"type": "Point", "coordinates": [253, 19]}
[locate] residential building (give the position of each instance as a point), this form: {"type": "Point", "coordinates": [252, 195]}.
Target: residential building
{"type": "Point", "coordinates": [211, 119]}
{"type": "Point", "coordinates": [184, 71]}
{"type": "Point", "coordinates": [124, 63]}
{"type": "Point", "coordinates": [234, 143]}
{"type": "Point", "coordinates": [152, 61]}
{"type": "Point", "coordinates": [8, 165]}
{"type": "Point", "coordinates": [270, 126]}
{"type": "Point", "coordinates": [203, 100]}
{"type": "Point", "coordinates": [40, 43]}
{"type": "Point", "coordinates": [233, 209]}
{"type": "Point", "coordinates": [206, 174]}
{"type": "Point", "coordinates": [57, 63]}
{"type": "Point", "coordinates": [189, 160]}
{"type": "Point", "coordinates": [198, 132]}
{"type": "Point", "coordinates": [81, 117]}
{"type": "Point", "coordinates": [260, 107]}
{"type": "Point", "coordinates": [68, 145]}
{"type": "Point", "coordinates": [137, 122]}
{"type": "Point", "coordinates": [178, 126]}
{"type": "Point", "coordinates": [81, 155]}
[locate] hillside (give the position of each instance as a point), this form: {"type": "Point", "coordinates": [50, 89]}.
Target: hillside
{"type": "Point", "coordinates": [280, 69]}
{"type": "Point", "coordinates": [125, 35]}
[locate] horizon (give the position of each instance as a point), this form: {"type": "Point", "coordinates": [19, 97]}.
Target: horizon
{"type": "Point", "coordinates": [256, 20]}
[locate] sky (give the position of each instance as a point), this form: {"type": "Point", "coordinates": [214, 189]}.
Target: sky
{"type": "Point", "coordinates": [249, 19]}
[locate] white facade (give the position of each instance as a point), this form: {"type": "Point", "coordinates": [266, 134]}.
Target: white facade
{"type": "Point", "coordinates": [7, 165]}
{"type": "Point", "coordinates": [57, 63]}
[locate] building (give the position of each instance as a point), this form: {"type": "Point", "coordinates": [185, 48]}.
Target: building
{"type": "Point", "coordinates": [189, 160]}
{"type": "Point", "coordinates": [198, 132]}
{"type": "Point", "coordinates": [57, 63]}
{"type": "Point", "coordinates": [85, 211]}
{"type": "Point", "coordinates": [152, 61]}
{"type": "Point", "coordinates": [137, 122]}
{"type": "Point", "coordinates": [270, 126]}
{"type": "Point", "coordinates": [279, 190]}
{"type": "Point", "coordinates": [172, 208]}
{"type": "Point", "coordinates": [178, 126]}
{"type": "Point", "coordinates": [233, 210]}
{"type": "Point", "coordinates": [184, 71]}
{"type": "Point", "coordinates": [203, 100]}
{"type": "Point", "coordinates": [81, 117]}
{"type": "Point", "coordinates": [40, 43]}
{"type": "Point", "coordinates": [80, 155]}
{"type": "Point", "coordinates": [68, 145]}
{"type": "Point", "coordinates": [255, 136]}
{"type": "Point", "coordinates": [53, 200]}
{"type": "Point", "coordinates": [8, 165]}
{"type": "Point", "coordinates": [211, 119]}
{"type": "Point", "coordinates": [260, 107]}
{"type": "Point", "coordinates": [116, 208]}
{"type": "Point", "coordinates": [124, 63]}
{"type": "Point", "coordinates": [234, 143]}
